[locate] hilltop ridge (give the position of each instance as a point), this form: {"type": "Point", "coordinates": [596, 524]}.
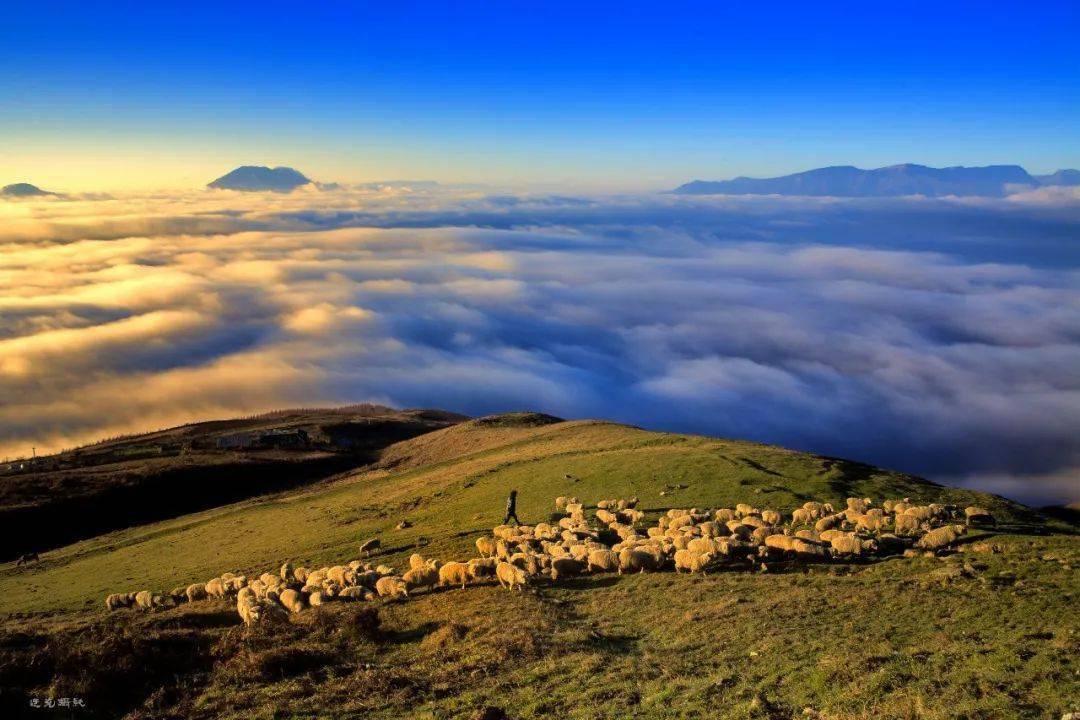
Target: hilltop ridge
{"type": "Point", "coordinates": [255, 178]}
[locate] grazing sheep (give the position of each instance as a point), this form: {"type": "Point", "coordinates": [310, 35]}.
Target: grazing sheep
{"type": "Point", "coordinates": [635, 560]}
{"type": "Point", "coordinates": [253, 610]}
{"type": "Point", "coordinates": [119, 600]}
{"type": "Point", "coordinates": [848, 544]}
{"type": "Point", "coordinates": [178, 595]}
{"type": "Point", "coordinates": [904, 524]}
{"type": "Point", "coordinates": [287, 572]}
{"type": "Point", "coordinates": [510, 576]}
{"type": "Point", "coordinates": [772, 517]}
{"type": "Point", "coordinates": [196, 591]}
{"type": "Point", "coordinates": [300, 574]}
{"type": "Point", "coordinates": [701, 545]}
{"type": "Point", "coordinates": [724, 515]}
{"type": "Point", "coordinates": [565, 567]}
{"type": "Point", "coordinates": [485, 546]}
{"type": "Point", "coordinates": [234, 583]}
{"type": "Point", "coordinates": [292, 600]}
{"type": "Point", "coordinates": [801, 516]}
{"type": "Point", "coordinates": [871, 523]}
{"type": "Point", "coordinates": [454, 573]}
{"type": "Point", "coordinates": [859, 505]}
{"type": "Point", "coordinates": [692, 561]}
{"type": "Point", "coordinates": [317, 598]}
{"type": "Point", "coordinates": [215, 588]}
{"type": "Point", "coordinates": [805, 549]}
{"type": "Point", "coordinates": [425, 576]}
{"type": "Point", "coordinates": [680, 522]}
{"type": "Point", "coordinates": [603, 561]}
{"type": "Point", "coordinates": [148, 600]}
{"type": "Point", "coordinates": [575, 508]}
{"type": "Point", "coordinates": [392, 587]}
{"type": "Point", "coordinates": [606, 516]}
{"type": "Point", "coordinates": [828, 522]}
{"type": "Point", "coordinates": [342, 575]}
{"type": "Point", "coordinates": [481, 567]}
{"type": "Point", "coordinates": [785, 543]}
{"type": "Point", "coordinates": [922, 512]}
{"type": "Point", "coordinates": [941, 537]}
{"type": "Point", "coordinates": [527, 563]}
{"type": "Point", "coordinates": [370, 546]}
{"type": "Point", "coordinates": [355, 593]}
{"type": "Point", "coordinates": [976, 515]}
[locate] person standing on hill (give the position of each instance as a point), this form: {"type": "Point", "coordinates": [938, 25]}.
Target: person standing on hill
{"type": "Point", "coordinates": [511, 508]}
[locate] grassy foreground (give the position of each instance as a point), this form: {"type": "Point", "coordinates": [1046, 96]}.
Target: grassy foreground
{"type": "Point", "coordinates": [989, 633]}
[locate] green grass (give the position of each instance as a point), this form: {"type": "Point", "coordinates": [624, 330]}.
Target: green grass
{"type": "Point", "coordinates": [893, 639]}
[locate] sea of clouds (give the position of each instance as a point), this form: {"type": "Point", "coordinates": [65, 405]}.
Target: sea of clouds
{"type": "Point", "coordinates": [939, 337]}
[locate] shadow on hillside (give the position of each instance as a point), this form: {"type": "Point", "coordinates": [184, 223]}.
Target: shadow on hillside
{"type": "Point", "coordinates": [760, 468]}
{"type": "Point", "coordinates": [851, 474]}
{"type": "Point", "coordinates": [399, 637]}
{"type": "Point", "coordinates": [195, 620]}
{"type": "Point", "coordinates": [587, 582]}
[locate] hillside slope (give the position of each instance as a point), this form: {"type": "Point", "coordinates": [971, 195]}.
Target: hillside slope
{"type": "Point", "coordinates": [452, 493]}
{"type": "Point", "coordinates": [889, 639]}
{"type": "Point", "coordinates": [75, 494]}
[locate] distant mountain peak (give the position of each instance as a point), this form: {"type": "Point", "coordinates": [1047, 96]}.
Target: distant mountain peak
{"type": "Point", "coordinates": [23, 190]}
{"type": "Point", "coordinates": [892, 181]}
{"type": "Point", "coordinates": [1068, 178]}
{"type": "Point", "coordinates": [254, 178]}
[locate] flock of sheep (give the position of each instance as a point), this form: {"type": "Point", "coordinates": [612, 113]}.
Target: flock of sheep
{"type": "Point", "coordinates": [690, 540]}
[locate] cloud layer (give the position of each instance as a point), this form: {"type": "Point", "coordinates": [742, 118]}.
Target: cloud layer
{"type": "Point", "coordinates": [938, 337]}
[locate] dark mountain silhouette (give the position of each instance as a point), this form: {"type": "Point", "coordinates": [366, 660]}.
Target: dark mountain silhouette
{"type": "Point", "coordinates": [896, 180]}
{"type": "Point", "coordinates": [23, 190]}
{"type": "Point", "coordinates": [1070, 178]}
{"type": "Point", "coordinates": [258, 177]}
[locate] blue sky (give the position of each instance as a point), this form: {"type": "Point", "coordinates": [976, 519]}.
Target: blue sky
{"type": "Point", "coordinates": [608, 95]}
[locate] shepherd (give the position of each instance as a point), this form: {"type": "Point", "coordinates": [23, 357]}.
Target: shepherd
{"type": "Point", "coordinates": [511, 508]}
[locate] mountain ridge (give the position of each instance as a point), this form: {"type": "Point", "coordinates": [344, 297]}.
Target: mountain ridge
{"type": "Point", "coordinates": [23, 189]}
{"type": "Point", "coordinates": [890, 181]}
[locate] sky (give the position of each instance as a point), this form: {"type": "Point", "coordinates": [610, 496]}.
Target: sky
{"type": "Point", "coordinates": [607, 96]}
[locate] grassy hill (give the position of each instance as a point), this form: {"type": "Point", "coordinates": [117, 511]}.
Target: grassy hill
{"type": "Point", "coordinates": [904, 638]}
{"type": "Point", "coordinates": [131, 480]}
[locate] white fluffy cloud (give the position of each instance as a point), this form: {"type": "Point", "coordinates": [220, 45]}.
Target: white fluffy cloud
{"type": "Point", "coordinates": [939, 337]}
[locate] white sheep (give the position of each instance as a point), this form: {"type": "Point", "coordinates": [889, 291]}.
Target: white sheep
{"type": "Point", "coordinates": [391, 587]}
{"type": "Point", "coordinates": [603, 561]}
{"type": "Point", "coordinates": [941, 537]}
{"type": "Point", "coordinates": [454, 573]}
{"type": "Point", "coordinates": [637, 560]}
{"type": "Point", "coordinates": [510, 576]}
{"type": "Point", "coordinates": [148, 600]}
{"type": "Point", "coordinates": [565, 567]}
{"type": "Point", "coordinates": [356, 593]}
{"type": "Point", "coordinates": [692, 561]}
{"type": "Point", "coordinates": [481, 567]}
{"type": "Point", "coordinates": [292, 600]}
{"type": "Point", "coordinates": [119, 600]}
